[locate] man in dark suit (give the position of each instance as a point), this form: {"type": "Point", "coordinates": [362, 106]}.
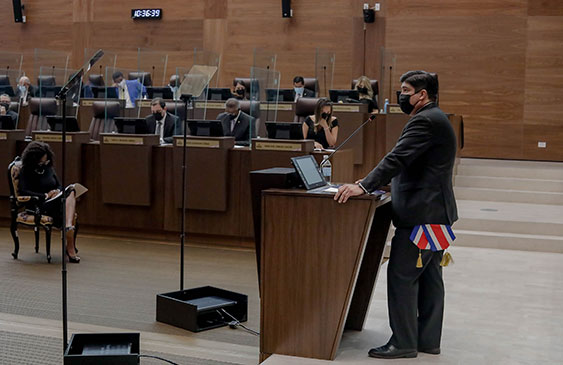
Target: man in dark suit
{"type": "Point", "coordinates": [5, 107]}
{"type": "Point", "coordinates": [420, 168]}
{"type": "Point", "coordinates": [300, 90]}
{"type": "Point", "coordinates": [163, 123]}
{"type": "Point", "coordinates": [237, 123]}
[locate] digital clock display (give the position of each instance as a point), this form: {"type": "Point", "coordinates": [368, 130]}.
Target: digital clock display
{"type": "Point", "coordinates": [146, 13]}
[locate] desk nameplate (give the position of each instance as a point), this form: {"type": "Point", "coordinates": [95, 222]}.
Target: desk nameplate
{"type": "Point", "coordinates": [137, 141]}
{"type": "Point", "coordinates": [87, 102]}
{"type": "Point", "coordinates": [51, 137]}
{"type": "Point", "coordinates": [346, 108]}
{"type": "Point", "coordinates": [278, 107]}
{"type": "Point", "coordinates": [211, 105]}
{"type": "Point", "coordinates": [3, 136]}
{"type": "Point", "coordinates": [205, 143]}
{"type": "Point", "coordinates": [393, 109]}
{"type": "Point", "coordinates": [278, 146]}
{"type": "Point", "coordinates": [145, 103]}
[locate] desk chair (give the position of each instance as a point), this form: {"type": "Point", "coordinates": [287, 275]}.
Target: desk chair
{"type": "Point", "coordinates": [245, 106]}
{"type": "Point", "coordinates": [374, 86]}
{"type": "Point", "coordinates": [96, 80]}
{"type": "Point", "coordinates": [104, 113]}
{"type": "Point", "coordinates": [4, 80]}
{"type": "Point", "coordinates": [25, 210]}
{"type": "Point", "coordinates": [39, 108]}
{"type": "Point", "coordinates": [311, 83]}
{"type": "Point", "coordinates": [303, 108]}
{"type": "Point", "coordinates": [143, 77]}
{"type": "Point", "coordinates": [46, 80]}
{"type": "Point", "coordinates": [14, 106]}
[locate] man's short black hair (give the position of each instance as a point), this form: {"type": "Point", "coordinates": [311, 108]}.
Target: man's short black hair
{"type": "Point", "coordinates": [116, 75]}
{"type": "Point", "coordinates": [299, 79]}
{"type": "Point", "coordinates": [422, 80]}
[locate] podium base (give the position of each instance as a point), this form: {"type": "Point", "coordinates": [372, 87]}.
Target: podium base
{"type": "Point", "coordinates": [103, 348]}
{"type": "Point", "coordinates": [201, 309]}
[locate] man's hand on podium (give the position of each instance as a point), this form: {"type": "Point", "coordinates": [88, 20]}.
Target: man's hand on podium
{"type": "Point", "coordinates": [346, 191]}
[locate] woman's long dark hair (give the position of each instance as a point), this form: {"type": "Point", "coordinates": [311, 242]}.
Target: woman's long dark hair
{"type": "Point", "coordinates": [319, 110]}
{"type": "Point", "coordinates": [33, 153]}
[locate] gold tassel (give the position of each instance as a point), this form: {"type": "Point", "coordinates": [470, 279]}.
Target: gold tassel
{"type": "Point", "coordinates": [446, 259]}
{"type": "Point", "coordinates": [419, 261]}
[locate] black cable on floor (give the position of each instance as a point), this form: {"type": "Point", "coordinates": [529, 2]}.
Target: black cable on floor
{"type": "Point", "coordinates": [235, 322]}
{"type": "Point", "coordinates": [159, 358]}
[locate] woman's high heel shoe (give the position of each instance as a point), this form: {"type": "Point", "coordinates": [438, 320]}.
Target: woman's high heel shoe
{"type": "Point", "coordinates": [73, 259]}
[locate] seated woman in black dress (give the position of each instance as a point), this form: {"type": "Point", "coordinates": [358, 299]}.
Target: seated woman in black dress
{"type": "Point", "coordinates": [38, 178]}
{"type": "Point", "coordinates": [322, 126]}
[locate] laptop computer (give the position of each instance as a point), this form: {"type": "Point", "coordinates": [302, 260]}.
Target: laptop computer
{"type": "Point", "coordinates": [308, 169]}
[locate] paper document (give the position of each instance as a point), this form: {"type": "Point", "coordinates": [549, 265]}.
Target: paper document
{"type": "Point", "coordinates": [79, 189]}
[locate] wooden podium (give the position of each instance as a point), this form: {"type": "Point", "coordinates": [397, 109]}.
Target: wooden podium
{"type": "Point", "coordinates": [320, 261]}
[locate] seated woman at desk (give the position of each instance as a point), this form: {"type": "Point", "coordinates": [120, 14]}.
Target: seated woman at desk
{"type": "Point", "coordinates": [38, 178]}
{"type": "Point", "coordinates": [365, 92]}
{"type": "Point", "coordinates": [322, 126]}
{"type": "Point", "coordinates": [240, 91]}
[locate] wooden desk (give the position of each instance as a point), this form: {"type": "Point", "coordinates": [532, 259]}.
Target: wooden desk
{"type": "Point", "coordinates": [74, 140]}
{"type": "Point", "coordinates": [316, 277]}
{"type": "Point", "coordinates": [8, 151]}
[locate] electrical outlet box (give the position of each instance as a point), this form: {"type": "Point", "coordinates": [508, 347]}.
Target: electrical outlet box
{"type": "Point", "coordinates": [377, 7]}
{"type": "Point", "coordinates": [366, 6]}
{"type": "Point", "coordinates": [542, 144]}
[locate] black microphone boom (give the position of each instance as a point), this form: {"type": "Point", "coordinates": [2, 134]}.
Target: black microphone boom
{"type": "Point", "coordinates": [371, 117]}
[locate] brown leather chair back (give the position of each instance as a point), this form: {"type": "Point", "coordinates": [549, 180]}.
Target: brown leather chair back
{"type": "Point", "coordinates": [143, 77]}
{"type": "Point", "coordinates": [311, 83]}
{"type": "Point", "coordinates": [244, 80]}
{"type": "Point", "coordinates": [104, 113]}
{"type": "Point", "coordinates": [39, 109]}
{"type": "Point", "coordinates": [177, 108]}
{"type": "Point", "coordinates": [96, 80]}
{"type": "Point", "coordinates": [46, 80]}
{"type": "Point", "coordinates": [252, 108]}
{"type": "Point", "coordinates": [304, 107]}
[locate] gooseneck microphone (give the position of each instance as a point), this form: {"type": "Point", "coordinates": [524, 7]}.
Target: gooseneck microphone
{"type": "Point", "coordinates": [371, 117]}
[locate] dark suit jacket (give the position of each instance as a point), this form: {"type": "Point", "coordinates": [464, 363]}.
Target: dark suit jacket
{"type": "Point", "coordinates": [172, 126]}
{"type": "Point", "coordinates": [242, 126]}
{"type": "Point", "coordinates": [307, 93]}
{"type": "Point", "coordinates": [31, 92]}
{"type": "Point", "coordinates": [420, 168]}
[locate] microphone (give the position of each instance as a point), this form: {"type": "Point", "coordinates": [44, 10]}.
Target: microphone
{"type": "Point", "coordinates": [371, 117]}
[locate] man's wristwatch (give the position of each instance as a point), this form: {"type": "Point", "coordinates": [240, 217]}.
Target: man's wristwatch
{"type": "Point", "coordinates": [364, 189]}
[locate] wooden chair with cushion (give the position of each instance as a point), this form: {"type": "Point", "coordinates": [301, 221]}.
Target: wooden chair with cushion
{"type": "Point", "coordinates": [245, 107]}
{"type": "Point", "coordinates": [26, 210]}
{"type": "Point", "coordinates": [104, 113]}
{"type": "Point", "coordinates": [312, 84]}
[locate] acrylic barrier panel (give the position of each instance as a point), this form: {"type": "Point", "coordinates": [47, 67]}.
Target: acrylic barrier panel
{"type": "Point", "coordinates": [324, 70]}
{"type": "Point", "coordinates": [154, 63]}
{"type": "Point", "coordinates": [264, 59]}
{"type": "Point", "coordinates": [388, 86]}
{"type": "Point", "coordinates": [95, 77]}
{"type": "Point", "coordinates": [265, 95]}
{"type": "Point", "coordinates": [208, 58]}
{"type": "Point", "coordinates": [127, 86]}
{"type": "Point", "coordinates": [9, 81]}
{"type": "Point", "coordinates": [49, 83]}
{"type": "Point", "coordinates": [43, 58]}
{"type": "Point", "coordinates": [11, 61]}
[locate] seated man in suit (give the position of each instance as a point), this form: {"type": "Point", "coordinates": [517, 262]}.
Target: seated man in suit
{"type": "Point", "coordinates": [129, 90]}
{"type": "Point", "coordinates": [299, 88]}
{"type": "Point", "coordinates": [237, 123]}
{"type": "Point", "coordinates": [25, 90]}
{"type": "Point", "coordinates": [161, 122]}
{"type": "Point", "coordinates": [5, 107]}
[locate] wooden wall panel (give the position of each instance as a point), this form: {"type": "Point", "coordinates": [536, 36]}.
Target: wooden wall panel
{"type": "Point", "coordinates": [545, 7]}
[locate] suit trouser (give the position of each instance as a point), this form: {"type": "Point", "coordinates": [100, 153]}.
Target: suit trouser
{"type": "Point", "coordinates": [415, 295]}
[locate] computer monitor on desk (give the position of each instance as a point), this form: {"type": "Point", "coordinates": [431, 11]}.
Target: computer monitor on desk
{"type": "Point", "coordinates": [280, 95]}
{"type": "Point", "coordinates": [6, 122]}
{"type": "Point", "coordinates": [56, 123]}
{"type": "Point", "coordinates": [105, 92]}
{"type": "Point", "coordinates": [344, 96]}
{"type": "Point", "coordinates": [219, 93]}
{"type": "Point", "coordinates": [131, 125]}
{"type": "Point", "coordinates": [206, 128]}
{"type": "Point", "coordinates": [160, 92]}
{"type": "Point", "coordinates": [284, 130]}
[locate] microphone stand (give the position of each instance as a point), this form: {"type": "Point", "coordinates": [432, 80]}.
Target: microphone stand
{"type": "Point", "coordinates": [371, 117]}
{"type": "Point", "coordinates": [267, 102]}
{"type": "Point", "coordinates": [324, 80]}
{"type": "Point", "coordinates": [186, 98]}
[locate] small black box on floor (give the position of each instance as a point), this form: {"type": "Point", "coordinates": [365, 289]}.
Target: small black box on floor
{"type": "Point", "coordinates": [103, 348]}
{"type": "Point", "coordinates": [201, 309]}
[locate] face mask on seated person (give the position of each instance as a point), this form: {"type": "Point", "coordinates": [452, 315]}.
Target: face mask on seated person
{"type": "Point", "coordinates": [363, 90]}
{"type": "Point", "coordinates": [157, 115]}
{"type": "Point", "coordinates": [325, 116]}
{"type": "Point", "coordinates": [5, 105]}
{"type": "Point", "coordinates": [239, 92]}
{"type": "Point", "coordinates": [405, 102]}
{"type": "Point", "coordinates": [299, 90]}
{"type": "Point", "coordinates": [233, 116]}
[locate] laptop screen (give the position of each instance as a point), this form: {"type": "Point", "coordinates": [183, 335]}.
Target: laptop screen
{"type": "Point", "coordinates": [308, 170]}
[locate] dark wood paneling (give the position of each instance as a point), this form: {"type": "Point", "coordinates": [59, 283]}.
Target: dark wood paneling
{"type": "Point", "coordinates": [545, 7]}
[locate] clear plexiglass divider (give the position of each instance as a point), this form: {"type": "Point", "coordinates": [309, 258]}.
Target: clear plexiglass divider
{"type": "Point", "coordinates": [208, 58]}
{"type": "Point", "coordinates": [50, 81]}
{"type": "Point", "coordinates": [11, 61]}
{"type": "Point", "coordinates": [324, 70]}
{"type": "Point", "coordinates": [264, 98]}
{"type": "Point", "coordinates": [154, 64]}
{"type": "Point", "coordinates": [95, 77]}
{"type": "Point", "coordinates": [45, 58]}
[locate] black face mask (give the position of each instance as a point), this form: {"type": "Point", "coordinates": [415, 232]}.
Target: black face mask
{"type": "Point", "coordinates": [325, 116]}
{"type": "Point", "coordinates": [40, 169]}
{"type": "Point", "coordinates": [5, 105]}
{"type": "Point", "coordinates": [240, 92]}
{"type": "Point", "coordinates": [363, 90]}
{"type": "Point", "coordinates": [157, 116]}
{"type": "Point", "coordinates": [232, 116]}
{"type": "Point", "coordinates": [405, 104]}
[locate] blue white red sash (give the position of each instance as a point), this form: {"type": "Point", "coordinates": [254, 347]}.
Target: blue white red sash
{"type": "Point", "coordinates": [435, 237]}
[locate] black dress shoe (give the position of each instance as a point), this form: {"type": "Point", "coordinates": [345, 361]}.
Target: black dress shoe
{"type": "Point", "coordinates": [435, 351]}
{"type": "Point", "coordinates": [391, 352]}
